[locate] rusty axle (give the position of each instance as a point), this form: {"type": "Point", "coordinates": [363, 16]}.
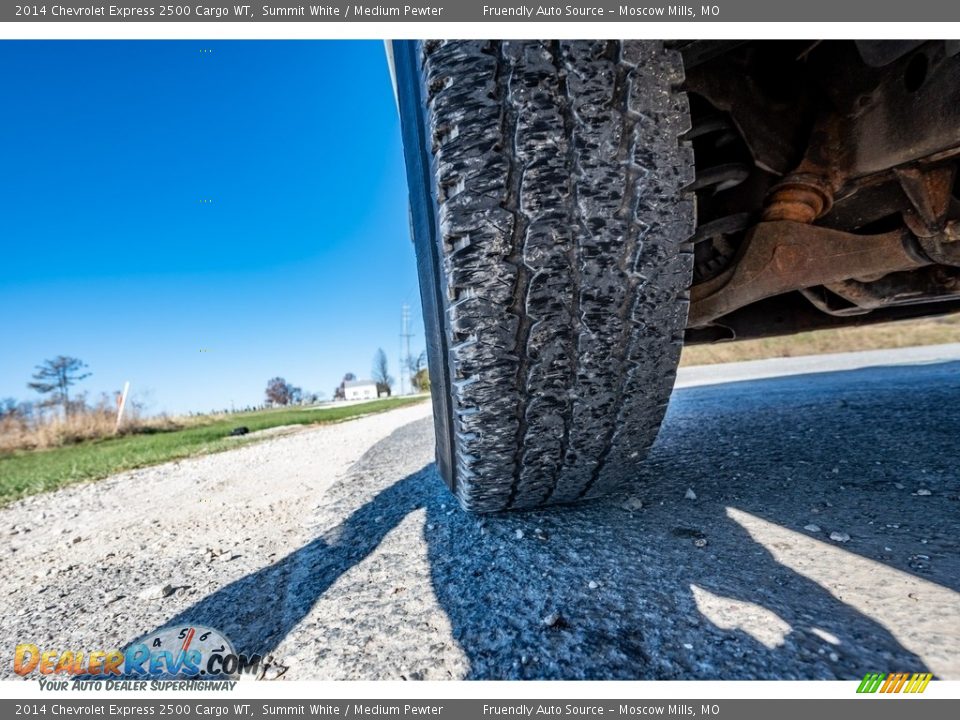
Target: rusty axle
{"type": "Point", "coordinates": [782, 256]}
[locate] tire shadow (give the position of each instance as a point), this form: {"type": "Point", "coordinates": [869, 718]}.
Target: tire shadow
{"type": "Point", "coordinates": [676, 588]}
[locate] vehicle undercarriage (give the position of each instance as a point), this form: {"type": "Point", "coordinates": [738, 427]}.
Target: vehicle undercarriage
{"type": "Point", "coordinates": [826, 182]}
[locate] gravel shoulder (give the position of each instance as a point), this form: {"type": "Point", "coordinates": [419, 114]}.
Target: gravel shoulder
{"type": "Point", "coordinates": [784, 528]}
{"type": "Point", "coordinates": [95, 565]}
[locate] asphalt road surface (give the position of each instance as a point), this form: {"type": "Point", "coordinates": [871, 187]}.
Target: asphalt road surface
{"type": "Point", "coordinates": [789, 527]}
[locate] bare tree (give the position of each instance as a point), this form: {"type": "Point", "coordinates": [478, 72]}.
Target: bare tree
{"type": "Point", "coordinates": [14, 417]}
{"type": "Point", "coordinates": [381, 373]}
{"type": "Point", "coordinates": [8, 408]}
{"type": "Point", "coordinates": [339, 392]}
{"type": "Point", "coordinates": [280, 392]}
{"type": "Point", "coordinates": [419, 375]}
{"type": "Point", "coordinates": [55, 377]}
{"type": "Point", "coordinates": [411, 363]}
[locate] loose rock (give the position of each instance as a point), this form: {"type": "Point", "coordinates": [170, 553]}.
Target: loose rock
{"type": "Point", "coordinates": [551, 619]}
{"type": "Point", "coordinates": [156, 592]}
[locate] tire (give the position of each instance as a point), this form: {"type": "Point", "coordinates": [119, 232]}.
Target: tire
{"type": "Point", "coordinates": [552, 225]}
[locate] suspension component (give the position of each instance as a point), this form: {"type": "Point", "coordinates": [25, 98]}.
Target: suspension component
{"type": "Point", "coordinates": [800, 197]}
{"type": "Point", "coordinates": [723, 163]}
{"type": "Point", "coordinates": [781, 256]}
{"type": "Point", "coordinates": [807, 193]}
{"type": "Point", "coordinates": [721, 177]}
{"type": "Point", "coordinates": [930, 191]}
{"type": "Point", "coordinates": [847, 298]}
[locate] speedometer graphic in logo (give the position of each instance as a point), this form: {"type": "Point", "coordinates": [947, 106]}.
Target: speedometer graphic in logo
{"type": "Point", "coordinates": [193, 651]}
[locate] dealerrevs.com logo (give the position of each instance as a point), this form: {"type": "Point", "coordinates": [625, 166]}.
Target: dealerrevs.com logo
{"type": "Point", "coordinates": [192, 652]}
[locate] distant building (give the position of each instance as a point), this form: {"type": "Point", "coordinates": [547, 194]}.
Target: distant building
{"type": "Point", "coordinates": [360, 390]}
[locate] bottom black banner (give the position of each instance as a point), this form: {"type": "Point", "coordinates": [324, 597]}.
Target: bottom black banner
{"type": "Point", "coordinates": [873, 707]}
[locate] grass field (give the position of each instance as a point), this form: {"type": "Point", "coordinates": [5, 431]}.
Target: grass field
{"type": "Point", "coordinates": [27, 472]}
{"type": "Point", "coordinates": [908, 333]}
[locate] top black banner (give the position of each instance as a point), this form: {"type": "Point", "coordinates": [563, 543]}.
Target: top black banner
{"type": "Point", "coordinates": [478, 11]}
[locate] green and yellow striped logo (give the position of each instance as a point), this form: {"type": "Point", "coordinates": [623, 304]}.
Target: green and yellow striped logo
{"type": "Point", "coordinates": [894, 683]}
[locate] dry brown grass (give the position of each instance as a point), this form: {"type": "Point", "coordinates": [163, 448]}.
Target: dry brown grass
{"type": "Point", "coordinates": [91, 423]}
{"type": "Point", "coordinates": [906, 333]}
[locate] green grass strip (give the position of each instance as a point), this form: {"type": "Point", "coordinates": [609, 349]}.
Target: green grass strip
{"type": "Point", "coordinates": [25, 473]}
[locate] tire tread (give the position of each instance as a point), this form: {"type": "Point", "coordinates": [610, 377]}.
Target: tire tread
{"type": "Point", "coordinates": [564, 224]}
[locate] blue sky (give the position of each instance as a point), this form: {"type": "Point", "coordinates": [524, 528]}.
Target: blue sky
{"type": "Point", "coordinates": [109, 251]}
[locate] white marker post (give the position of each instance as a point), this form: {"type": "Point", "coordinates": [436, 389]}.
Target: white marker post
{"type": "Point", "coordinates": [122, 404]}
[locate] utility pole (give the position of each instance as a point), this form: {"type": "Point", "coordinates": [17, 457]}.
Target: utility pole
{"type": "Point", "coordinates": [405, 336]}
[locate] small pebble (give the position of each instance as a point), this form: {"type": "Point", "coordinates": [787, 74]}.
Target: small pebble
{"type": "Point", "coordinates": [812, 528]}
{"type": "Point", "coordinates": [898, 486]}
{"type": "Point", "coordinates": [551, 619]}
{"type": "Point", "coordinates": [839, 536]}
{"type": "Point", "coordinates": [924, 491]}
{"type": "Point", "coordinates": [690, 494]}
{"type": "Point", "coordinates": [592, 585]}
{"type": "Point", "coordinates": [700, 542]}
{"type": "Point", "coordinates": [155, 592]}
{"type": "Point", "coordinates": [519, 534]}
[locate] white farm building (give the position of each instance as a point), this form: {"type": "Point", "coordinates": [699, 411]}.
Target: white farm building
{"type": "Point", "coordinates": [360, 390]}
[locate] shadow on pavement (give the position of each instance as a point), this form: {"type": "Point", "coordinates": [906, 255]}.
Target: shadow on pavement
{"type": "Point", "coordinates": [677, 588]}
